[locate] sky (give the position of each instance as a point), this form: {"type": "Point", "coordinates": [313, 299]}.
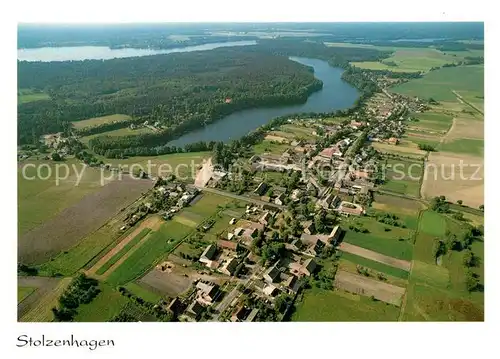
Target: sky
{"type": "Point", "coordinates": [105, 11]}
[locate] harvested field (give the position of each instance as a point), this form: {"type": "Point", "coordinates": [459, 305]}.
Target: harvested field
{"type": "Point", "coordinates": [466, 128]}
{"type": "Point", "coordinates": [377, 257]}
{"type": "Point", "coordinates": [444, 175]}
{"type": "Point", "coordinates": [42, 309]}
{"type": "Point", "coordinates": [362, 285]}
{"type": "Point", "coordinates": [41, 286]}
{"type": "Point", "coordinates": [403, 150]}
{"type": "Point", "coordinates": [74, 223]}
{"type": "Point", "coordinates": [170, 284]}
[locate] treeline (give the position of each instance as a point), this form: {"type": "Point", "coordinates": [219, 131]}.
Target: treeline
{"type": "Point", "coordinates": [181, 91]}
{"type": "Point", "coordinates": [396, 75]}
{"type": "Point", "coordinates": [105, 127]}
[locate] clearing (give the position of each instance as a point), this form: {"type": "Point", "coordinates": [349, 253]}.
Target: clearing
{"type": "Point", "coordinates": [91, 122]}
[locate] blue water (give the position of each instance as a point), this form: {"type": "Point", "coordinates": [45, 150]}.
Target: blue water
{"type": "Point", "coordinates": [336, 94]}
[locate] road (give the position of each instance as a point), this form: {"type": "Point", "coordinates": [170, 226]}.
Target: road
{"type": "Point", "coordinates": [241, 198]}
{"type": "Point", "coordinates": [462, 100]}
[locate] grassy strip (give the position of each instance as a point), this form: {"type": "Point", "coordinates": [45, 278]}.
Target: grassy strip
{"type": "Point", "coordinates": [380, 267]}
{"type": "Point", "coordinates": [124, 250]}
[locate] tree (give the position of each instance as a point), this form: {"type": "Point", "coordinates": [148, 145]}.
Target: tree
{"type": "Point", "coordinates": [320, 221]}
{"type": "Point", "coordinates": [459, 202]}
{"type": "Point", "coordinates": [56, 156]}
{"type": "Point", "coordinates": [481, 207]}
{"type": "Point", "coordinates": [471, 280]}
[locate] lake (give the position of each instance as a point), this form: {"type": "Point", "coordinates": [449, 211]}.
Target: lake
{"type": "Point", "coordinates": [336, 94]}
{"type": "Point", "coordinates": [78, 53]}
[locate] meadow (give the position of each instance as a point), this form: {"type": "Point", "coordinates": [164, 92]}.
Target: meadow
{"type": "Point", "coordinates": [431, 121]}
{"type": "Point", "coordinates": [23, 292]}
{"type": "Point", "coordinates": [100, 121]}
{"type": "Point", "coordinates": [102, 308]}
{"type": "Point", "coordinates": [116, 133]}
{"type": "Point", "coordinates": [390, 247]}
{"type": "Point", "coordinates": [439, 84]}
{"type": "Point", "coordinates": [377, 266]}
{"type": "Point", "coordinates": [432, 223]}
{"type": "Point", "coordinates": [27, 95]}
{"type": "Point", "coordinates": [403, 176]}
{"type": "Point", "coordinates": [157, 245]}
{"type": "Point", "coordinates": [142, 292]}
{"type": "Point", "coordinates": [123, 251]}
{"type": "Point", "coordinates": [473, 147]}
{"type": "Point", "coordinates": [319, 305]}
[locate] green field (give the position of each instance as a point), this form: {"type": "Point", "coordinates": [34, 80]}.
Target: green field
{"type": "Point", "coordinates": [23, 292]}
{"type": "Point", "coordinates": [143, 293]}
{"type": "Point", "coordinates": [380, 267]}
{"type": "Point", "coordinates": [465, 146]}
{"type": "Point", "coordinates": [104, 307]}
{"type": "Point", "coordinates": [123, 251]}
{"type": "Point", "coordinates": [42, 311]}
{"type": "Point", "coordinates": [40, 200]}
{"type": "Point", "coordinates": [431, 121]}
{"type": "Point", "coordinates": [266, 146]}
{"type": "Point", "coordinates": [156, 247]}
{"type": "Point", "coordinates": [119, 132]}
{"type": "Point", "coordinates": [432, 223]}
{"type": "Point", "coordinates": [409, 60]}
{"type": "Point", "coordinates": [26, 95]}
{"type": "Point", "coordinates": [100, 121]}
{"type": "Point", "coordinates": [440, 83]}
{"type": "Point", "coordinates": [389, 247]}
{"type": "Point", "coordinates": [207, 204]}
{"type": "Point", "coordinates": [320, 305]}
{"type": "Point", "coordinates": [403, 176]}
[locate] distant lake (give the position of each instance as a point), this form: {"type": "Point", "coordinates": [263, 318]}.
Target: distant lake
{"type": "Point", "coordinates": [77, 53]}
{"type": "Point", "coordinates": [336, 94]}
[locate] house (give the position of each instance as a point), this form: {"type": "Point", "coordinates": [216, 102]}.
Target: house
{"type": "Point", "coordinates": [325, 202]}
{"type": "Point", "coordinates": [207, 291]}
{"type": "Point", "coordinates": [176, 306]}
{"type": "Point", "coordinates": [309, 267]}
{"type": "Point", "coordinates": [238, 231]}
{"type": "Point", "coordinates": [280, 200]}
{"type": "Point", "coordinates": [232, 221]}
{"type": "Point", "coordinates": [272, 274]}
{"type": "Point", "coordinates": [335, 234]}
{"type": "Point", "coordinates": [195, 310]}
{"type": "Point", "coordinates": [239, 313]}
{"type": "Point", "coordinates": [230, 236]}
{"type": "Point", "coordinates": [229, 267]}
{"type": "Point", "coordinates": [308, 227]}
{"type": "Point", "coordinates": [208, 254]}
{"type": "Point", "coordinates": [290, 282]}
{"type": "Point", "coordinates": [265, 199]}
{"type": "Point", "coordinates": [296, 193]}
{"type": "Point", "coordinates": [347, 208]}
{"type": "Point", "coordinates": [335, 201]}
{"type": "Point", "coordinates": [316, 248]}
{"type": "Point", "coordinates": [261, 189]}
{"type": "Point", "coordinates": [253, 314]}
{"type": "Point", "coordinates": [270, 290]}
{"type": "Point", "coordinates": [265, 218]}
{"type": "Point", "coordinates": [223, 244]}
{"type": "Point", "coordinates": [393, 141]}
{"type": "Point", "coordinates": [329, 152]}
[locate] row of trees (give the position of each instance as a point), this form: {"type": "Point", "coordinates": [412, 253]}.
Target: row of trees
{"type": "Point", "coordinates": [82, 290]}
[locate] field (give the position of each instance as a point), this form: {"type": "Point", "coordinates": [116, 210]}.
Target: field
{"type": "Point", "coordinates": [142, 292]}
{"type": "Point", "coordinates": [170, 284]}
{"type": "Point", "coordinates": [431, 122]}
{"type": "Point", "coordinates": [472, 147]}
{"type": "Point", "coordinates": [403, 176]}
{"type": "Point", "coordinates": [267, 146]}
{"type": "Point", "coordinates": [409, 60]}
{"type": "Point", "coordinates": [432, 223]}
{"type": "Point", "coordinates": [119, 132]}
{"type": "Point", "coordinates": [208, 204]}
{"type": "Point", "coordinates": [41, 311]}
{"type": "Point", "coordinates": [320, 305]}
{"type": "Point", "coordinates": [23, 292]}
{"type": "Point", "coordinates": [79, 220]}
{"type": "Point", "coordinates": [361, 285]}
{"type": "Point", "coordinates": [100, 120]}
{"type": "Point", "coordinates": [439, 84]}
{"type": "Point", "coordinates": [157, 245]}
{"type": "Point", "coordinates": [104, 307]}
{"type": "Point", "coordinates": [40, 199]}
{"type": "Point", "coordinates": [126, 247]}
{"type": "Point", "coordinates": [458, 177]}
{"type": "Point", "coordinates": [403, 149]}
{"type": "Point", "coordinates": [375, 256]}
{"type": "Point", "coordinates": [406, 209]}
{"type": "Point", "coordinates": [375, 265]}
{"type": "Point", "coordinates": [26, 95]}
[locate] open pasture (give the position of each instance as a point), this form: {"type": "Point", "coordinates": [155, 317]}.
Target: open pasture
{"type": "Point", "coordinates": [91, 122]}
{"type": "Point", "coordinates": [439, 84]}
{"type": "Point", "coordinates": [319, 305]}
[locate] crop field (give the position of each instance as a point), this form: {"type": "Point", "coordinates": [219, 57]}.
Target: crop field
{"type": "Point", "coordinates": [403, 149]}
{"type": "Point", "coordinates": [117, 133]}
{"type": "Point", "coordinates": [319, 305]}
{"type": "Point", "coordinates": [456, 176]}
{"type": "Point", "coordinates": [301, 132]}
{"type": "Point", "coordinates": [141, 291]}
{"type": "Point", "coordinates": [439, 84]}
{"type": "Point", "coordinates": [42, 309]}
{"type": "Point", "coordinates": [389, 247]}
{"type": "Point", "coordinates": [403, 176]}
{"type": "Point", "coordinates": [26, 95]}
{"type": "Point", "coordinates": [406, 209]}
{"type": "Point", "coordinates": [127, 247]}
{"type": "Point", "coordinates": [361, 285]}
{"type": "Point", "coordinates": [472, 147]}
{"type": "Point", "coordinates": [100, 121]}
{"type": "Point", "coordinates": [375, 256]}
{"type": "Point", "coordinates": [431, 122]}
{"type": "Point", "coordinates": [24, 292]}
{"type": "Point", "coordinates": [409, 60]}
{"type": "Point", "coordinates": [157, 245]}
{"type": "Point", "coordinates": [40, 199]}
{"type": "Point", "coordinates": [104, 307]}
{"type": "Point", "coordinates": [273, 147]}
{"type": "Point", "coordinates": [432, 223]}
{"type": "Point", "coordinates": [170, 284]}
{"type": "Point", "coordinates": [466, 127]}
{"type": "Point", "coordinates": [377, 266]}
{"type": "Point", "coordinates": [79, 220]}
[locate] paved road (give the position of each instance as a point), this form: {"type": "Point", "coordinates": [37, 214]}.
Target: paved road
{"type": "Point", "coordinates": [239, 197]}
